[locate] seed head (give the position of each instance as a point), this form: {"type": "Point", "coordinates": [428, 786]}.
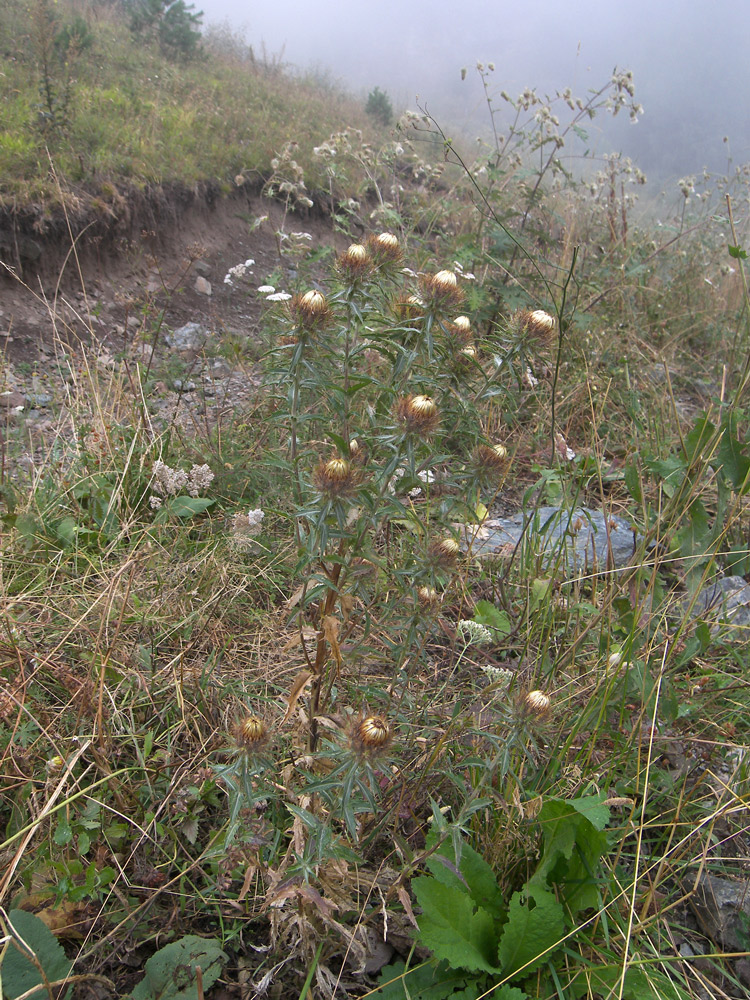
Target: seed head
{"type": "Point", "coordinates": [371, 735]}
{"type": "Point", "coordinates": [460, 329]}
{"type": "Point", "coordinates": [409, 309]}
{"type": "Point", "coordinates": [537, 703]}
{"type": "Point", "coordinates": [428, 597]}
{"type": "Point", "coordinates": [336, 478]}
{"type": "Point", "coordinates": [537, 325]}
{"type": "Point", "coordinates": [444, 551]}
{"type": "Point", "coordinates": [491, 460]}
{"type": "Point", "coordinates": [385, 249]}
{"type": "Point", "coordinates": [310, 309]}
{"type": "Point", "coordinates": [442, 288]}
{"type": "Point", "coordinates": [251, 733]}
{"type": "Point", "coordinates": [419, 414]}
{"type": "Point", "coordinates": [355, 262]}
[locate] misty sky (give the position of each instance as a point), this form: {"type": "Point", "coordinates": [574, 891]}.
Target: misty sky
{"type": "Point", "coordinates": [689, 59]}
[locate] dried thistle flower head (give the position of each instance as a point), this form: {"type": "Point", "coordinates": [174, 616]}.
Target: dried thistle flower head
{"type": "Point", "coordinates": [428, 597]}
{"type": "Point", "coordinates": [371, 735]}
{"type": "Point", "coordinates": [310, 309]}
{"type": "Point", "coordinates": [537, 703]}
{"type": "Point", "coordinates": [385, 248]}
{"type": "Point", "coordinates": [460, 330]}
{"type": "Point", "coordinates": [354, 262]}
{"type": "Point", "coordinates": [537, 325]}
{"type": "Point", "coordinates": [418, 413]}
{"type": "Point", "coordinates": [491, 460]}
{"type": "Point", "coordinates": [442, 288]}
{"type": "Point", "coordinates": [336, 478]}
{"type": "Point", "coordinates": [251, 733]}
{"type": "Point", "coordinates": [409, 307]}
{"type": "Point", "coordinates": [444, 551]}
{"type": "Point", "coordinates": [467, 355]}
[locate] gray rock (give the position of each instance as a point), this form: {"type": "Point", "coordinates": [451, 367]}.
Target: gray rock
{"type": "Point", "coordinates": [11, 399]}
{"type": "Point", "coordinates": [725, 603]}
{"type": "Point", "coordinates": [183, 385]}
{"type": "Point", "coordinates": [722, 908]}
{"type": "Point", "coordinates": [38, 399]}
{"type": "Point", "coordinates": [190, 337]}
{"type": "Point", "coordinates": [202, 285]}
{"type": "Point", "coordinates": [581, 540]}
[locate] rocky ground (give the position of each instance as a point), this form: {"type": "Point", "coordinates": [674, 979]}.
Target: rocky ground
{"type": "Point", "coordinates": [156, 289]}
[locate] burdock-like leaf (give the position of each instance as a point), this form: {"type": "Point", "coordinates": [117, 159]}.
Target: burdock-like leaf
{"type": "Point", "coordinates": [170, 973]}
{"type": "Point", "coordinates": [453, 929]}
{"type": "Point", "coordinates": [19, 973]}
{"type": "Point", "coordinates": [535, 925]}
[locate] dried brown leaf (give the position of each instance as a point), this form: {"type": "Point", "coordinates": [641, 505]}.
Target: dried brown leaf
{"type": "Point", "coordinates": [301, 681]}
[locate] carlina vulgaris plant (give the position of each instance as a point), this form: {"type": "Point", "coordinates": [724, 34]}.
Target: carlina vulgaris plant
{"type": "Point", "coordinates": [352, 486]}
{"type": "Point", "coordinates": [245, 774]}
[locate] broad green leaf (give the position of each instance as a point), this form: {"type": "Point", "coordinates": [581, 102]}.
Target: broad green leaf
{"type": "Point", "coordinates": [593, 807]}
{"type": "Point", "coordinates": [473, 876]}
{"type": "Point", "coordinates": [170, 973]}
{"type": "Point", "coordinates": [493, 618]}
{"type": "Point", "coordinates": [535, 925]}
{"type": "Point", "coordinates": [187, 506]}
{"type": "Point", "coordinates": [19, 973]}
{"type": "Point", "coordinates": [431, 981]}
{"type": "Point", "coordinates": [737, 252]}
{"type": "Point", "coordinates": [453, 929]}
{"type": "Point", "coordinates": [733, 460]}
{"type": "Point", "coordinates": [63, 833]}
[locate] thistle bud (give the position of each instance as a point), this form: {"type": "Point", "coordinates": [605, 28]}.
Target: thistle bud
{"type": "Point", "coordinates": [428, 597]}
{"type": "Point", "coordinates": [537, 703]}
{"type": "Point", "coordinates": [419, 414]}
{"type": "Point", "coordinates": [442, 288]}
{"type": "Point", "coordinates": [410, 307]}
{"type": "Point", "coordinates": [537, 325]}
{"type": "Point", "coordinates": [251, 733]}
{"type": "Point", "coordinates": [444, 551]}
{"type": "Point", "coordinates": [491, 460]}
{"type": "Point", "coordinates": [385, 248]}
{"type": "Point", "coordinates": [374, 732]}
{"type": "Point", "coordinates": [336, 478]}
{"type": "Point", "coordinates": [310, 309]}
{"type": "Point", "coordinates": [460, 329]}
{"type": "Point", "coordinates": [355, 262]}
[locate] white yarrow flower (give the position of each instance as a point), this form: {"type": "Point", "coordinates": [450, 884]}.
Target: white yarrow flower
{"type": "Point", "coordinates": [473, 632]}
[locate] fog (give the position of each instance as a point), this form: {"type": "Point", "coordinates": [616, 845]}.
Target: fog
{"type": "Point", "coordinates": [689, 61]}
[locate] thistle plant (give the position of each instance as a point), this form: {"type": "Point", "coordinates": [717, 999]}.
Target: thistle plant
{"type": "Point", "coordinates": [381, 426]}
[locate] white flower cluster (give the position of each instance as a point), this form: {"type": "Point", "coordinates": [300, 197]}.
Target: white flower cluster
{"type": "Point", "coordinates": [254, 518]}
{"type": "Point", "coordinates": [170, 482]}
{"type": "Point", "coordinates": [238, 271]}
{"type": "Point", "coordinates": [473, 632]}
{"type": "Point", "coordinates": [498, 675]}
